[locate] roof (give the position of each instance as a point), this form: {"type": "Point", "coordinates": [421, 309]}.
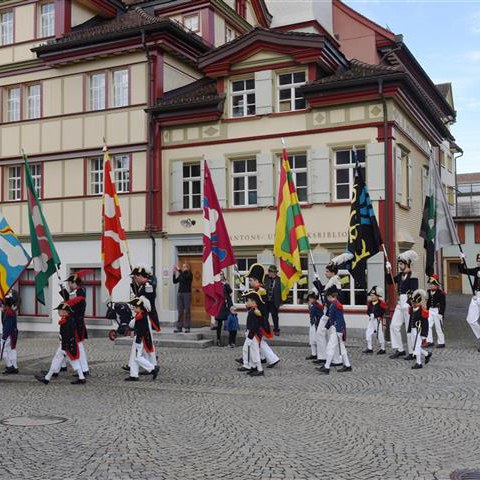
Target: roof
{"type": "Point", "coordinates": [463, 178]}
{"type": "Point", "coordinates": [200, 91]}
{"type": "Point", "coordinates": [444, 88]}
{"type": "Point", "coordinates": [124, 25]}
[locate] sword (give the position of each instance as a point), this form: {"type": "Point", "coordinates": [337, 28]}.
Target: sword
{"type": "Point", "coordinates": [416, 336]}
{"type": "Point", "coordinates": [1, 353]}
{"type": "Point", "coordinates": [378, 326]}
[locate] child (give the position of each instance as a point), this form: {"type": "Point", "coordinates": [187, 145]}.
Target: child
{"type": "Point", "coordinates": [436, 310]}
{"type": "Point", "coordinates": [231, 326]}
{"type": "Point", "coordinates": [315, 310]}
{"type": "Point", "coordinates": [143, 342]}
{"type": "Point", "coordinates": [375, 310]}
{"type": "Point", "coordinates": [418, 327]}
{"type": "Point", "coordinates": [337, 329]}
{"type": "Point", "coordinates": [69, 347]}
{"type": "Point", "coordinates": [251, 348]}
{"type": "Point", "coordinates": [9, 337]}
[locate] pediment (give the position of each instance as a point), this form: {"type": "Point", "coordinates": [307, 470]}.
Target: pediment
{"type": "Point", "coordinates": [262, 58]}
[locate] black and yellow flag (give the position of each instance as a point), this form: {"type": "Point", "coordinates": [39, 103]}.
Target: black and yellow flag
{"type": "Point", "coordinates": [364, 237]}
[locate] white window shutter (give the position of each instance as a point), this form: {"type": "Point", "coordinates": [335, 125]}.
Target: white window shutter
{"type": "Point", "coordinates": [263, 92]}
{"type": "Point", "coordinates": [176, 186]}
{"type": "Point", "coordinates": [265, 179]}
{"type": "Point", "coordinates": [375, 170]}
{"type": "Point", "coordinates": [218, 171]}
{"type": "Point", "coordinates": [410, 182]}
{"type": "Point", "coordinates": [398, 175]}
{"type": "Point", "coordinates": [318, 175]}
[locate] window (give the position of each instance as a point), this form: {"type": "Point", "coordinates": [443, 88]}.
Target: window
{"type": "Point", "coordinates": [33, 101]}
{"type": "Point", "coordinates": [229, 34]}
{"type": "Point", "coordinates": [192, 22]}
{"type": "Point", "coordinates": [29, 306]}
{"type": "Point", "coordinates": [243, 264]}
{"type": "Point", "coordinates": [120, 88]}
{"type": "Point", "coordinates": [345, 172]}
{"type": "Point", "coordinates": [36, 171]}
{"type": "Point", "coordinates": [298, 293]}
{"type": "Point", "coordinates": [97, 91]}
{"type": "Point", "coordinates": [192, 196]}
{"type": "Point", "coordinates": [96, 308]}
{"type": "Point", "coordinates": [289, 96]}
{"type": "Point", "coordinates": [298, 165]}
{"type": "Point", "coordinates": [403, 173]}
{"type": "Point", "coordinates": [13, 104]}
{"type": "Point", "coordinates": [96, 176]}
{"type": "Point", "coordinates": [121, 170]}
{"type": "Point", "coordinates": [244, 182]}
{"type": "Point", "coordinates": [352, 294]}
{"type": "Point", "coordinates": [243, 98]}
{"type": "Point", "coordinates": [6, 27]}
{"type": "Point", "coordinates": [14, 187]}
{"type": "Point", "coordinates": [47, 19]}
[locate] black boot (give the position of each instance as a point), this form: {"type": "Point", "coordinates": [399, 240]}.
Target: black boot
{"type": "Point", "coordinates": [243, 369]}
{"type": "Point", "coordinates": [131, 379]}
{"type": "Point", "coordinates": [409, 357]}
{"type": "Point", "coordinates": [256, 373]}
{"type": "Point", "coordinates": [79, 382]}
{"type": "Point", "coordinates": [397, 354]}
{"type": "Point", "coordinates": [381, 352]}
{"type": "Point", "coordinates": [42, 379]}
{"type": "Point", "coordinates": [345, 369]}
{"type": "Point", "coordinates": [324, 370]}
{"type": "Point", "coordinates": [318, 361]}
{"type": "Point", "coordinates": [367, 350]}
{"type": "Point", "coordinates": [155, 372]}
{"type": "Point", "coordinates": [311, 357]}
{"type": "Point", "coordinates": [428, 357]}
{"type": "Point", "coordinates": [417, 366]}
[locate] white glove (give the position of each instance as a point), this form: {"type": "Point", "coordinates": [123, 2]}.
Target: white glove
{"type": "Point", "coordinates": [131, 325]}
{"type": "Point", "coordinates": [236, 273]}
{"type": "Point", "coordinates": [242, 287]}
{"type": "Point", "coordinates": [388, 266]}
{"type": "Point", "coordinates": [462, 256]}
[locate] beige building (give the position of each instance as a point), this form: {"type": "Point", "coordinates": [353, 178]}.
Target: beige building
{"type": "Point", "coordinates": [167, 83]}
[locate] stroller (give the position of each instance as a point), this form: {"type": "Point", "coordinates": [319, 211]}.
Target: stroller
{"type": "Point", "coordinates": [121, 313]}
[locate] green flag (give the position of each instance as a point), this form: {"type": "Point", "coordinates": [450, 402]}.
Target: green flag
{"type": "Point", "coordinates": [44, 256]}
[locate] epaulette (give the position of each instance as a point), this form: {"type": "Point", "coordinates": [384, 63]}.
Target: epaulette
{"type": "Point", "coordinates": [424, 313]}
{"type": "Point", "coordinates": [383, 304]}
{"type": "Point", "coordinates": [261, 291]}
{"type": "Point", "coordinates": [257, 312]}
{"type": "Point", "coordinates": [148, 287]}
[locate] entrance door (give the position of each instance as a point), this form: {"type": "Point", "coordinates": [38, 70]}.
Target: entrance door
{"type": "Point", "coordinates": [454, 277]}
{"type": "Point", "coordinates": [200, 318]}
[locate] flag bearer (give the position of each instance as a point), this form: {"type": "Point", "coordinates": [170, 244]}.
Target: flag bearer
{"type": "Point", "coordinates": [473, 316]}
{"type": "Point", "coordinates": [406, 284]}
{"type": "Point", "coordinates": [418, 327]}
{"type": "Point", "coordinates": [255, 277]}
{"type": "Point", "coordinates": [315, 310]}
{"type": "Point", "coordinates": [9, 336]}
{"type": "Point", "coordinates": [376, 308]}
{"type": "Point", "coordinates": [143, 342]}
{"type": "Point", "coordinates": [436, 310]}
{"type": "Point", "coordinates": [251, 348]}
{"type": "Point", "coordinates": [69, 347]}
{"type": "Point", "coordinates": [337, 329]}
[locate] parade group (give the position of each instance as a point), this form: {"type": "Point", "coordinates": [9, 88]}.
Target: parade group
{"type": "Point", "coordinates": [421, 313]}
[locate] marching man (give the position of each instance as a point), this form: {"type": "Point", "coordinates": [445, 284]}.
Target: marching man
{"type": "Point", "coordinates": [315, 310]}
{"type": "Point", "coordinates": [473, 316]}
{"type": "Point", "coordinates": [375, 310]}
{"type": "Point", "coordinates": [9, 336]}
{"type": "Point", "coordinates": [418, 327]}
{"type": "Point", "coordinates": [436, 311]}
{"type": "Point", "coordinates": [406, 284]}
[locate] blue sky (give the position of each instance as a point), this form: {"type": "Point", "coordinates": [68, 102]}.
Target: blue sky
{"type": "Point", "coordinates": [445, 38]}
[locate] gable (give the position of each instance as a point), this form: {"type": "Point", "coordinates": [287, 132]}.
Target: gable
{"type": "Point", "coordinates": [262, 58]}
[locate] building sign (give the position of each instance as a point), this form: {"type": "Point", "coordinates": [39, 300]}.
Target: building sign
{"type": "Point", "coordinates": [328, 236]}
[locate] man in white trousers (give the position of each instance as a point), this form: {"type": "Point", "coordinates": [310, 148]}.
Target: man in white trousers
{"type": "Point", "coordinates": [473, 316]}
{"type": "Point", "coordinates": [436, 301]}
{"type": "Point", "coordinates": [406, 284]}
{"type": "Point", "coordinates": [376, 308]}
{"type": "Point", "coordinates": [315, 311]}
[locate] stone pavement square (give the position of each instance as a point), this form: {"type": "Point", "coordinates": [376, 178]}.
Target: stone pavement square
{"type": "Point", "coordinates": [202, 419]}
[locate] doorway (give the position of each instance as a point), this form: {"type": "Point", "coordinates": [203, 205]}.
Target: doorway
{"type": "Point", "coordinates": [454, 277]}
{"type": "Point", "coordinates": [200, 318]}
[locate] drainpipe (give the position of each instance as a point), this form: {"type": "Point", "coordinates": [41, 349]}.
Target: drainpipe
{"type": "Point", "coordinates": [456, 183]}
{"type": "Point", "coordinates": [150, 151]}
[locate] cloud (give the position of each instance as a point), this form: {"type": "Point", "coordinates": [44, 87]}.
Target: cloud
{"type": "Point", "coordinates": [473, 22]}
{"type": "Point", "coordinates": [473, 56]}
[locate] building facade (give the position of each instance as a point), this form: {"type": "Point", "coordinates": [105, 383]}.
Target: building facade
{"type": "Point", "coordinates": [170, 83]}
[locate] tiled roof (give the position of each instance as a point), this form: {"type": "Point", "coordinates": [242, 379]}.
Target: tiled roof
{"type": "Point", "coordinates": [201, 91]}
{"type": "Point", "coordinates": [468, 177]}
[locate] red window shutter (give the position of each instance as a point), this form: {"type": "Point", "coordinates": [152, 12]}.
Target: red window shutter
{"type": "Point", "coordinates": [477, 232]}
{"type": "Point", "coordinates": [461, 232]}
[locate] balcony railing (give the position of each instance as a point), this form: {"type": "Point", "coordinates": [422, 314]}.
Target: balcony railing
{"type": "Point", "coordinates": [466, 210]}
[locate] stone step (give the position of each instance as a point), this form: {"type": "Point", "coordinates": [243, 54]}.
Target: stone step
{"type": "Point", "coordinates": [178, 341]}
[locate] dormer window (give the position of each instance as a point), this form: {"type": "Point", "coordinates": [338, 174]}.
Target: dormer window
{"type": "Point", "coordinates": [289, 96]}
{"type": "Point", "coordinates": [6, 28]}
{"type": "Point", "coordinates": [192, 22]}
{"type": "Point", "coordinates": [47, 19]}
{"type": "Point", "coordinates": [243, 97]}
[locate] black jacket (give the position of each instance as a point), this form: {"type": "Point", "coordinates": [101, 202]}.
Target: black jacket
{"type": "Point", "coordinates": [254, 321]}
{"type": "Point", "coordinates": [68, 335]}
{"type": "Point", "coordinates": [378, 309]}
{"type": "Point", "coordinates": [184, 279]}
{"type": "Point", "coordinates": [475, 273]}
{"type": "Point", "coordinates": [436, 299]}
{"type": "Point", "coordinates": [276, 298]}
{"type": "Point", "coordinates": [142, 331]}
{"type": "Point", "coordinates": [419, 316]}
{"type": "Point", "coordinates": [225, 310]}
{"type": "Point", "coordinates": [405, 285]}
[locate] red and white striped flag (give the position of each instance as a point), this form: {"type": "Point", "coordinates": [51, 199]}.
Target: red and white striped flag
{"type": "Point", "coordinates": [112, 231]}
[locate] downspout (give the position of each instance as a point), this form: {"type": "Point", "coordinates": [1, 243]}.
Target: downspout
{"type": "Point", "coordinates": [456, 182]}
{"type": "Point", "coordinates": [150, 151]}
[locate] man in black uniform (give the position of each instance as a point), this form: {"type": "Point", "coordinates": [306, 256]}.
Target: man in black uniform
{"type": "Point", "coordinates": [473, 315]}
{"type": "Point", "coordinates": [436, 310]}
{"type": "Point", "coordinates": [273, 296]}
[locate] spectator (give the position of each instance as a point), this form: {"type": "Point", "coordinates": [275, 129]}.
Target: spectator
{"type": "Point", "coordinates": [231, 325]}
{"type": "Point", "coordinates": [225, 309]}
{"type": "Point", "coordinates": [184, 296]}
{"type": "Point", "coordinates": [273, 297]}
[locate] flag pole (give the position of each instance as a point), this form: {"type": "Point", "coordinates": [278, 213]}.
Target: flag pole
{"type": "Point", "coordinates": [464, 262]}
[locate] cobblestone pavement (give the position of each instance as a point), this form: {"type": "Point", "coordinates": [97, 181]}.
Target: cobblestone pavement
{"type": "Point", "coordinates": [202, 419]}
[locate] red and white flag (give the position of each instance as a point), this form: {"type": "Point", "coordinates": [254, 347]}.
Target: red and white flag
{"type": "Point", "coordinates": [217, 249]}
{"type": "Point", "coordinates": [112, 232]}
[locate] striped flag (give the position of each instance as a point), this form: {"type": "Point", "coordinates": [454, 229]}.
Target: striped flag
{"type": "Point", "coordinates": [44, 255]}
{"type": "Point", "coordinates": [112, 231]}
{"type": "Point", "coordinates": [437, 228]}
{"type": "Point", "coordinates": [290, 232]}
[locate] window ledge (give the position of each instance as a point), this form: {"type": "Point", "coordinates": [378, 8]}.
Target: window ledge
{"type": "Point", "coordinates": [185, 212]}
{"type": "Point", "coordinates": [341, 203]}
{"type": "Point", "coordinates": [243, 209]}
{"type": "Point", "coordinates": [242, 119]}
{"type": "Point", "coordinates": [404, 207]}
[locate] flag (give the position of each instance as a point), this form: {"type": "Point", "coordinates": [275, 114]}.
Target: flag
{"type": "Point", "coordinates": [112, 231]}
{"type": "Point", "coordinates": [290, 232]}
{"type": "Point", "coordinates": [13, 257]}
{"type": "Point", "coordinates": [217, 249]}
{"type": "Point", "coordinates": [437, 228]}
{"type": "Point", "coordinates": [44, 255]}
{"type": "Point", "coordinates": [364, 237]}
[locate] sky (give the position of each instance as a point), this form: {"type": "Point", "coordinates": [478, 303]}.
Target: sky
{"type": "Point", "coordinates": [444, 36]}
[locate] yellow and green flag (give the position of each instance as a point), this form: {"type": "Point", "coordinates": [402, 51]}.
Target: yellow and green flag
{"type": "Point", "coordinates": [290, 232]}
